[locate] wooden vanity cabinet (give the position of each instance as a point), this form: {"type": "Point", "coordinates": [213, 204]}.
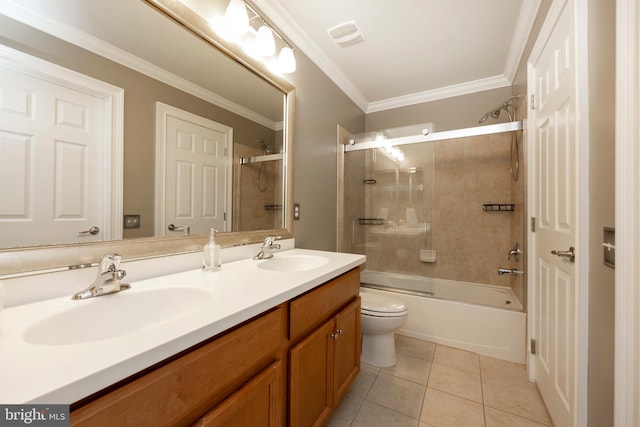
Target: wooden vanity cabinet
{"type": "Point", "coordinates": [326, 358]}
{"type": "Point", "coordinates": [307, 350]}
{"type": "Point", "coordinates": [181, 391]}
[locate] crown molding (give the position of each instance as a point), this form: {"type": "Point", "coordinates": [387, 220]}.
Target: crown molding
{"type": "Point", "coordinates": [524, 25]}
{"type": "Point", "coordinates": [466, 88]}
{"type": "Point", "coordinates": [274, 10]}
{"type": "Point", "coordinates": [29, 17]}
{"type": "Point", "coordinates": [281, 18]}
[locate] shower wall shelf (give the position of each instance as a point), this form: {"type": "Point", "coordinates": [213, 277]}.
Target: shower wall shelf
{"type": "Point", "coordinates": [498, 207]}
{"type": "Point", "coordinates": [371, 221]}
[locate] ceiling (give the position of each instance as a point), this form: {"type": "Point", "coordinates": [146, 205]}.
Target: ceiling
{"type": "Point", "coordinates": [414, 50]}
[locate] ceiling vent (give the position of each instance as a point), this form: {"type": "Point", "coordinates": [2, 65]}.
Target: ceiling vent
{"type": "Point", "coordinates": [346, 34]}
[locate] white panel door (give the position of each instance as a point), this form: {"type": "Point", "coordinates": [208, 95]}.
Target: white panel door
{"type": "Point", "coordinates": [196, 172]}
{"type": "Point", "coordinates": [554, 203]}
{"type": "Point", "coordinates": [52, 177]}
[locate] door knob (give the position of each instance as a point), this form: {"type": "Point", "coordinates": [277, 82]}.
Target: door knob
{"type": "Point", "coordinates": [186, 228]}
{"type": "Point", "coordinates": [571, 254]}
{"type": "Point", "coordinates": [92, 230]}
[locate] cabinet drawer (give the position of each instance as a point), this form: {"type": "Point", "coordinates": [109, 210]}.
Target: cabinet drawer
{"type": "Point", "coordinates": [184, 389]}
{"type": "Point", "coordinates": [316, 306]}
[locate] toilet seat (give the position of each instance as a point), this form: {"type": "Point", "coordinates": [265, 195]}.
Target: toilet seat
{"type": "Point", "coordinates": [381, 306]}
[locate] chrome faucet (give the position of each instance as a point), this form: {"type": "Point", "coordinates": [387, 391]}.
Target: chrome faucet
{"type": "Point", "coordinates": [266, 251]}
{"type": "Point", "coordinates": [108, 280]}
{"type": "Point", "coordinates": [512, 271]}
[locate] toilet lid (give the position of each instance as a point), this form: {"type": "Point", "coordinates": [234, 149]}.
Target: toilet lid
{"type": "Point", "coordinates": [374, 303]}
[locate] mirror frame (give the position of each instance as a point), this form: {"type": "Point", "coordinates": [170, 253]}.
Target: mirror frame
{"type": "Point", "coordinates": [18, 261]}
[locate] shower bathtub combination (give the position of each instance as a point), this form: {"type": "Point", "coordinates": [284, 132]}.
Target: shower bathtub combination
{"type": "Point", "coordinates": [440, 217]}
{"type": "Point", "coordinates": [485, 319]}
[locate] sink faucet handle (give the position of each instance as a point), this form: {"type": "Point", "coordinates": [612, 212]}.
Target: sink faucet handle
{"type": "Point", "coordinates": [109, 262]}
{"type": "Point", "coordinates": [268, 241]}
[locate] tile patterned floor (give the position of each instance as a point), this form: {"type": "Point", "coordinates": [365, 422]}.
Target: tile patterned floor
{"type": "Point", "coordinates": [437, 386]}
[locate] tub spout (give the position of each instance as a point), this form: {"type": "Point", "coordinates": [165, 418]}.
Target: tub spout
{"type": "Point", "coordinates": [512, 271]}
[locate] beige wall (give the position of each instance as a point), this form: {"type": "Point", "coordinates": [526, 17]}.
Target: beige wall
{"type": "Point", "coordinates": [320, 107]}
{"type": "Point", "coordinates": [141, 94]}
{"type": "Point", "coordinates": [601, 74]}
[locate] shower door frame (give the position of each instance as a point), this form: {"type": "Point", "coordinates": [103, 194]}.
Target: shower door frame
{"type": "Point", "coordinates": [436, 136]}
{"type": "Point", "coordinates": [346, 143]}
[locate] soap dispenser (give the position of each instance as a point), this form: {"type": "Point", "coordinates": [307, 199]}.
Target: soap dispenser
{"type": "Point", "coordinates": [211, 253]}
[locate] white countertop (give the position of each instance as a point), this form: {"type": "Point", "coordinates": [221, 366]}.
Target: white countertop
{"type": "Point", "coordinates": [48, 374]}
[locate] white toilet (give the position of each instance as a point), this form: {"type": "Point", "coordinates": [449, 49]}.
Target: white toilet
{"type": "Point", "coordinates": [380, 317]}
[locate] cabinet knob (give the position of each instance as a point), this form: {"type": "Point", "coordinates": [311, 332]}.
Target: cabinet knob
{"type": "Point", "coordinates": [337, 334]}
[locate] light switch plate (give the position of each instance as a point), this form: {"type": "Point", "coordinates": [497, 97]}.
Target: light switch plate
{"type": "Point", "coordinates": [609, 246]}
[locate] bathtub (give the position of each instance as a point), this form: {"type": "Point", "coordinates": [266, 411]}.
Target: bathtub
{"type": "Point", "coordinates": [484, 319]}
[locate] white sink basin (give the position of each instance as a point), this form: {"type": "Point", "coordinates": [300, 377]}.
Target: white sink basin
{"type": "Point", "coordinates": [293, 262]}
{"type": "Point", "coordinates": [114, 315]}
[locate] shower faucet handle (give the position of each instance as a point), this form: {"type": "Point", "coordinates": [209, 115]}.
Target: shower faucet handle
{"type": "Point", "coordinates": [514, 252]}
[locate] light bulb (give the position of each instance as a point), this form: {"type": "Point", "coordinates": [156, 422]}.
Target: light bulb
{"type": "Point", "coordinates": [236, 17]}
{"type": "Point", "coordinates": [286, 60]}
{"type": "Point", "coordinates": [265, 45]}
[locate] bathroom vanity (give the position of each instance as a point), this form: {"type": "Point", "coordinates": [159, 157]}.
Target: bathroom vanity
{"type": "Point", "coordinates": [273, 345]}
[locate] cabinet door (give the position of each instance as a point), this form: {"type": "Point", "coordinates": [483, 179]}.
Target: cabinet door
{"type": "Point", "coordinates": [182, 390]}
{"type": "Point", "coordinates": [259, 403]}
{"type": "Point", "coordinates": [311, 378]}
{"type": "Point", "coordinates": [315, 307]}
{"type": "Point", "coordinates": [346, 349]}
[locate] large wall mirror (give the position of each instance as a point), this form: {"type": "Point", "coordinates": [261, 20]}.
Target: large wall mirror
{"type": "Point", "coordinates": [182, 86]}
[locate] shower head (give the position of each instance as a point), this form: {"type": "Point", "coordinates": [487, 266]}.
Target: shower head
{"type": "Point", "coordinates": [495, 113]}
{"type": "Point", "coordinates": [265, 147]}
{"type": "Point", "coordinates": [484, 118]}
{"type": "Point", "coordinates": [506, 106]}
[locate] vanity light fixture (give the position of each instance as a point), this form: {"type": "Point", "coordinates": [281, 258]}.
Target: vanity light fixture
{"type": "Point", "coordinates": [237, 18]}
{"type": "Point", "coordinates": [286, 60]}
{"type": "Point", "coordinates": [264, 43]}
{"type": "Point", "coordinates": [260, 43]}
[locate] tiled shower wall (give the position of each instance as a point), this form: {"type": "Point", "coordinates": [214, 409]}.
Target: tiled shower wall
{"type": "Point", "coordinates": [470, 244]}
{"type": "Point", "coordinates": [254, 209]}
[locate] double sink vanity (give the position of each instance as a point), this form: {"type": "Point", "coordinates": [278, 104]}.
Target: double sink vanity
{"type": "Point", "coordinates": [269, 342]}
